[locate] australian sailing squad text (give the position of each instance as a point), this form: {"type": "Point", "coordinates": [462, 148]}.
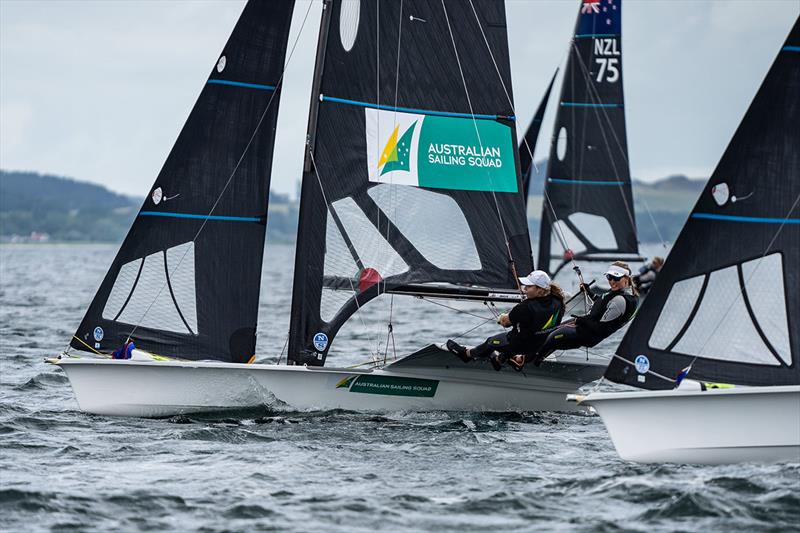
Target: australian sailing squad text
{"type": "Point", "coordinates": [458, 154]}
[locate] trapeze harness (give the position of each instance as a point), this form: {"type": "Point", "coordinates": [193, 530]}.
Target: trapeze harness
{"type": "Point", "coordinates": [591, 328]}
{"type": "Point", "coordinates": [528, 318]}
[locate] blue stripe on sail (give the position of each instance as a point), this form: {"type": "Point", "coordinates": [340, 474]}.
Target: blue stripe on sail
{"type": "Point", "coordinates": [791, 48]}
{"type": "Point", "coordinates": [410, 110]}
{"type": "Point", "coordinates": [584, 104]}
{"type": "Point", "coordinates": [733, 218]}
{"type": "Point", "coordinates": [584, 182]}
{"type": "Point", "coordinates": [587, 35]}
{"type": "Point", "coordinates": [242, 84]}
{"type": "Point", "coordinates": [200, 217]}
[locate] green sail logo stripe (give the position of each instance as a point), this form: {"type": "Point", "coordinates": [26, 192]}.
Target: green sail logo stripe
{"type": "Point", "coordinates": [391, 386]}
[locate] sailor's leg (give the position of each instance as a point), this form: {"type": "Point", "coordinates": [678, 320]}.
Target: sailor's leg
{"type": "Point", "coordinates": [563, 338]}
{"type": "Point", "coordinates": [496, 342]}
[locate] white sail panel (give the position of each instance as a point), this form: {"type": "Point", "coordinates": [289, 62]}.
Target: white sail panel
{"type": "Point", "coordinates": [433, 223]}
{"type": "Point", "coordinates": [180, 265]}
{"type": "Point", "coordinates": [765, 292]}
{"type": "Point", "coordinates": [371, 246]}
{"type": "Point", "coordinates": [338, 259]}
{"type": "Point", "coordinates": [595, 228]}
{"type": "Point", "coordinates": [722, 328]}
{"type": "Point", "coordinates": [121, 289]}
{"type": "Point", "coordinates": [560, 230]}
{"type": "Point", "coordinates": [348, 22]}
{"type": "Point", "coordinates": [332, 301]}
{"type": "Point", "coordinates": [151, 304]}
{"type": "Point", "coordinates": [676, 311]}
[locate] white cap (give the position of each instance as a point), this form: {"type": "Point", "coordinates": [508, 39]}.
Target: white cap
{"type": "Point", "coordinates": [618, 271]}
{"type": "Point", "coordinates": [538, 278]}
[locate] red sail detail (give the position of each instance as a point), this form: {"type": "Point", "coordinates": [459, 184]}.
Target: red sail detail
{"type": "Point", "coordinates": [368, 278]}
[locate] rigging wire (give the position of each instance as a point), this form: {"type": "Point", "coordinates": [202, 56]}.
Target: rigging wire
{"type": "Point", "coordinates": [741, 291]}
{"type": "Point", "coordinates": [283, 350]}
{"type": "Point", "coordinates": [232, 175]}
{"type": "Point", "coordinates": [594, 93]}
{"type": "Point", "coordinates": [456, 309]}
{"type": "Point", "coordinates": [392, 188]}
{"type": "Point", "coordinates": [480, 142]}
{"type": "Point", "coordinates": [330, 210]}
{"type": "Point", "coordinates": [559, 231]}
{"type": "Point", "coordinates": [739, 294]}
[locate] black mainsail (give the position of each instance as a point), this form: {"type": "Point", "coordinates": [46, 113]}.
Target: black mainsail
{"type": "Point", "coordinates": [528, 144]}
{"type": "Point", "coordinates": [587, 211]}
{"type": "Point", "coordinates": [726, 302]}
{"type": "Point", "coordinates": [185, 282]}
{"type": "Point", "coordinates": [412, 174]}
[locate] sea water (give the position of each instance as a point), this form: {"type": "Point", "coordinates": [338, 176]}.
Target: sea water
{"type": "Point", "coordinates": [265, 469]}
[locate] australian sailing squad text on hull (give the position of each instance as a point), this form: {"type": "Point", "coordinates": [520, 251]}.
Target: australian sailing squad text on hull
{"type": "Point", "coordinates": [458, 154]}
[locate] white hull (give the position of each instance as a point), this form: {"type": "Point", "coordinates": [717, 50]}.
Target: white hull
{"type": "Point", "coordinates": [718, 426]}
{"type": "Point", "coordinates": [165, 388]}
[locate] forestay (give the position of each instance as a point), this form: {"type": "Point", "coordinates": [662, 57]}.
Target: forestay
{"type": "Point", "coordinates": [412, 172]}
{"type": "Point", "coordinates": [588, 205]}
{"type": "Point", "coordinates": [726, 302]}
{"type": "Point", "coordinates": [185, 282]}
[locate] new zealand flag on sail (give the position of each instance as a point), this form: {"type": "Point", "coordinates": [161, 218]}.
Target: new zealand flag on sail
{"type": "Point", "coordinates": [600, 17]}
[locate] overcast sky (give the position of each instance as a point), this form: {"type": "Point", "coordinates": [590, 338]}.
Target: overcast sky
{"type": "Point", "coordinates": [98, 90]}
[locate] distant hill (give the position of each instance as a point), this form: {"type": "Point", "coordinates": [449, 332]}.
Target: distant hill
{"type": "Point", "coordinates": [666, 201]}
{"type": "Point", "coordinates": [36, 208]}
{"type": "Point", "coordinates": [20, 191]}
{"type": "Point", "coordinates": [41, 207]}
{"type": "Point", "coordinates": [63, 209]}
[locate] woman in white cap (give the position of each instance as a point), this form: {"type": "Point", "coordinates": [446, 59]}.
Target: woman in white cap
{"type": "Point", "coordinates": [609, 312]}
{"type": "Point", "coordinates": [541, 309]}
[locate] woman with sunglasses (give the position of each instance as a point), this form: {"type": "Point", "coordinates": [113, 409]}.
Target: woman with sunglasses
{"type": "Point", "coordinates": [609, 312]}
{"type": "Point", "coordinates": [541, 309]}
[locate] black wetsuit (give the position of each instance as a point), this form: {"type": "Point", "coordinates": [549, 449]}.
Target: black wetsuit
{"type": "Point", "coordinates": [588, 330]}
{"type": "Point", "coordinates": [528, 318]}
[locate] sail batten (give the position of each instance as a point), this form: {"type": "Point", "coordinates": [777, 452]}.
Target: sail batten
{"type": "Point", "coordinates": [185, 282]}
{"type": "Point", "coordinates": [422, 171]}
{"type": "Point", "coordinates": [725, 303]}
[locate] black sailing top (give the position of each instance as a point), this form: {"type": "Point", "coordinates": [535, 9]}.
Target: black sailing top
{"type": "Point", "coordinates": [533, 315]}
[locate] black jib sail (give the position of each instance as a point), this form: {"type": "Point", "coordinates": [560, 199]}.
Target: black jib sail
{"type": "Point", "coordinates": [588, 207]}
{"type": "Point", "coordinates": [528, 144]}
{"type": "Point", "coordinates": [726, 302]}
{"type": "Point", "coordinates": [185, 282]}
{"type": "Point", "coordinates": [412, 174]}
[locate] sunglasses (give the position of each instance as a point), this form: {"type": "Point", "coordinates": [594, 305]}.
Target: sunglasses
{"type": "Point", "coordinates": [609, 277]}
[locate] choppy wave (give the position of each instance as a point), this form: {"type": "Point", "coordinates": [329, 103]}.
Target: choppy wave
{"type": "Point", "coordinates": [275, 469]}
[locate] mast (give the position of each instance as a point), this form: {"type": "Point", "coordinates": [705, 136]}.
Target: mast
{"type": "Point", "coordinates": [312, 207]}
{"type": "Point", "coordinates": [726, 303]}
{"type": "Point", "coordinates": [588, 204]}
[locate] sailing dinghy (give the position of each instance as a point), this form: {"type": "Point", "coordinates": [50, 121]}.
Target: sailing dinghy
{"type": "Point", "coordinates": [411, 187]}
{"type": "Point", "coordinates": [725, 307]}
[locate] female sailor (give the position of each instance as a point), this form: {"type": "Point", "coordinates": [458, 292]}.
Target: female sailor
{"type": "Point", "coordinates": [609, 312]}
{"type": "Point", "coordinates": [541, 309]}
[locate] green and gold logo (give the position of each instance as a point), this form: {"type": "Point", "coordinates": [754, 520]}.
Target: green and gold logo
{"type": "Point", "coordinates": [440, 152]}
